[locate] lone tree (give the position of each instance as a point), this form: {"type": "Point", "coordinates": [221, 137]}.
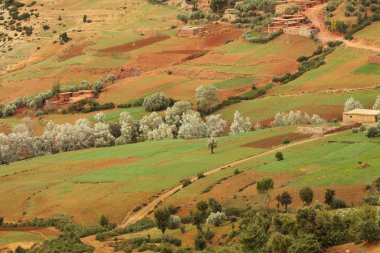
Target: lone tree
{"type": "Point", "coordinates": [286, 199]}
{"type": "Point", "coordinates": [306, 195]}
{"type": "Point", "coordinates": [212, 144]}
{"type": "Point", "coordinates": [329, 196]}
{"type": "Point", "coordinates": [263, 187]}
{"type": "Point", "coordinates": [218, 5]}
{"type": "Point", "coordinates": [103, 221]}
{"type": "Point", "coordinates": [162, 217]}
{"type": "Point", "coordinates": [286, 141]}
{"type": "Point", "coordinates": [279, 156]}
{"type": "Point", "coordinates": [207, 97]}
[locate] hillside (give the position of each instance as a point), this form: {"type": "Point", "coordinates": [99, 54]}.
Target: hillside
{"type": "Point", "coordinates": [189, 126]}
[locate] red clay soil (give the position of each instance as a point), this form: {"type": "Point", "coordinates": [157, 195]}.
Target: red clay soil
{"type": "Point", "coordinates": [74, 51]}
{"type": "Point", "coordinates": [135, 45]}
{"type": "Point", "coordinates": [276, 140]}
{"type": "Point", "coordinates": [354, 248]}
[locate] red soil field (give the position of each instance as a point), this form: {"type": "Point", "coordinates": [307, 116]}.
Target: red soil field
{"type": "Point", "coordinates": [135, 45]}
{"type": "Point", "coordinates": [277, 140]}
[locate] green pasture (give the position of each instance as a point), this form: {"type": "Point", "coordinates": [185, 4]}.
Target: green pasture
{"type": "Point", "coordinates": [14, 237]}
{"type": "Point", "coordinates": [267, 107]}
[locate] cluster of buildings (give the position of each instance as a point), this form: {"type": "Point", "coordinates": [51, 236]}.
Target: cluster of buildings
{"type": "Point", "coordinates": [64, 99]}
{"type": "Point", "coordinates": [294, 23]}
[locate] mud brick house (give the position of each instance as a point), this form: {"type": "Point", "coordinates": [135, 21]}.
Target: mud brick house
{"type": "Point", "coordinates": [188, 31]}
{"type": "Point", "coordinates": [374, 59]}
{"type": "Point", "coordinates": [364, 116]}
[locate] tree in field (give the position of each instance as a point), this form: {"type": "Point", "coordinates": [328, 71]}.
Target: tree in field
{"type": "Point", "coordinates": [207, 97]}
{"type": "Point", "coordinates": [254, 238]}
{"type": "Point", "coordinates": [103, 221]}
{"type": "Point", "coordinates": [286, 141]}
{"type": "Point", "coordinates": [263, 187]}
{"type": "Point", "coordinates": [197, 218]}
{"type": "Point", "coordinates": [149, 123]}
{"type": "Point", "coordinates": [329, 196]}
{"type": "Point", "coordinates": [306, 195]}
{"type": "Point", "coordinates": [202, 207]}
{"type": "Point", "coordinates": [156, 102]}
{"type": "Point", "coordinates": [215, 125]}
{"type": "Point", "coordinates": [239, 125]}
{"type": "Point", "coordinates": [164, 131]}
{"type": "Point", "coordinates": [192, 126]}
{"type": "Point", "coordinates": [305, 243]}
{"type": "Point", "coordinates": [162, 217]}
{"type": "Point", "coordinates": [212, 144]}
{"type": "Point", "coordinates": [102, 134]}
{"type": "Point", "coordinates": [173, 115]}
{"type": "Point", "coordinates": [352, 104]}
{"type": "Point", "coordinates": [286, 199]}
{"type": "Point", "coordinates": [218, 6]}
{"type": "Point", "coordinates": [128, 130]}
{"type": "Point", "coordinates": [214, 205]}
{"type": "Point", "coordinates": [216, 218]}
{"type": "Point", "coordinates": [279, 243]}
{"type": "Point", "coordinates": [279, 156]}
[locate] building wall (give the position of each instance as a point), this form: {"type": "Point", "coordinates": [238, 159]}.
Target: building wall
{"type": "Point", "coordinates": [374, 59]}
{"type": "Point", "coordinates": [349, 119]}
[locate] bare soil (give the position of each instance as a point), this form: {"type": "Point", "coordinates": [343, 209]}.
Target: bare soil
{"type": "Point", "coordinates": [277, 140]}
{"type": "Point", "coordinates": [135, 45]}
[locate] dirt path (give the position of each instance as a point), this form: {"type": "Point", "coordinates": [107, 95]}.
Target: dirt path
{"type": "Point", "coordinates": [99, 247]}
{"type": "Point", "coordinates": [131, 218]}
{"type": "Point", "coordinates": [315, 14]}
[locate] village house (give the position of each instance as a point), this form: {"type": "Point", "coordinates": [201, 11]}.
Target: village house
{"type": "Point", "coordinates": [188, 31]}
{"type": "Point", "coordinates": [364, 116]}
{"type": "Point", "coordinates": [66, 98]}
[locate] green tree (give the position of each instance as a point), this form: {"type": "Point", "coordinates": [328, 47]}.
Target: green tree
{"type": "Point", "coordinates": [254, 238]}
{"type": "Point", "coordinates": [218, 6]}
{"type": "Point", "coordinates": [162, 217]}
{"type": "Point", "coordinates": [279, 156]}
{"type": "Point", "coordinates": [199, 241]}
{"type": "Point", "coordinates": [286, 141]}
{"type": "Point", "coordinates": [214, 205]}
{"type": "Point", "coordinates": [305, 243]}
{"type": "Point", "coordinates": [202, 207]}
{"type": "Point", "coordinates": [197, 219]}
{"type": "Point", "coordinates": [212, 144]}
{"type": "Point", "coordinates": [263, 187]}
{"type": "Point", "coordinates": [279, 243]}
{"type": "Point", "coordinates": [306, 219]}
{"type": "Point", "coordinates": [329, 196]}
{"type": "Point", "coordinates": [103, 221]}
{"type": "Point", "coordinates": [286, 199]}
{"type": "Point", "coordinates": [207, 97]}
{"type": "Point", "coordinates": [306, 195]}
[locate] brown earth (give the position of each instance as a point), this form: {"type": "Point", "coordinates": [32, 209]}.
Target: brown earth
{"type": "Point", "coordinates": [355, 248]}
{"type": "Point", "coordinates": [135, 45]}
{"type": "Point", "coordinates": [73, 51]}
{"type": "Point", "coordinates": [277, 140]}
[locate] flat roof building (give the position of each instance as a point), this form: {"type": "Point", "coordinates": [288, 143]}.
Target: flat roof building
{"type": "Point", "coordinates": [364, 116]}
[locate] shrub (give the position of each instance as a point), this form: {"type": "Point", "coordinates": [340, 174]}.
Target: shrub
{"type": "Point", "coordinates": [174, 222]}
{"type": "Point", "coordinates": [216, 218]}
{"type": "Point", "coordinates": [372, 132]}
{"type": "Point", "coordinates": [338, 203]}
{"type": "Point", "coordinates": [279, 156]}
{"type": "Point", "coordinates": [185, 182]}
{"type": "Point", "coordinates": [199, 242]}
{"type": "Point", "coordinates": [209, 234]}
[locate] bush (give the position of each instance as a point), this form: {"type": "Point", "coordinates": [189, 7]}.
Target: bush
{"type": "Point", "coordinates": [263, 39]}
{"type": "Point", "coordinates": [372, 132]}
{"type": "Point", "coordinates": [216, 219]}
{"type": "Point", "coordinates": [199, 242]}
{"type": "Point", "coordinates": [174, 222]}
{"type": "Point", "coordinates": [338, 203]}
{"type": "Point", "coordinates": [279, 156]}
{"type": "Point", "coordinates": [156, 102]}
{"type": "Point", "coordinates": [39, 113]}
{"type": "Point", "coordinates": [185, 182]}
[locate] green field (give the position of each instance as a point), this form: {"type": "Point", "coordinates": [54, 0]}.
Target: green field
{"type": "Point", "coordinates": [332, 163]}
{"type": "Point", "coordinates": [328, 106]}
{"type": "Point", "coordinates": [112, 180]}
{"type": "Point", "coordinates": [14, 237]}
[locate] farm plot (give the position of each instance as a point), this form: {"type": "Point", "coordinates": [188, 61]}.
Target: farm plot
{"type": "Point", "coordinates": [111, 181]}
{"type": "Point", "coordinates": [341, 71]}
{"type": "Point", "coordinates": [328, 106]}
{"type": "Point", "coordinates": [333, 163]}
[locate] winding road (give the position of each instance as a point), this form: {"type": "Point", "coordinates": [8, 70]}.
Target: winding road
{"type": "Point", "coordinates": [315, 15]}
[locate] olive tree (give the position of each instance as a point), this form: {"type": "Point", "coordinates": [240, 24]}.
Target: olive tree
{"type": "Point", "coordinates": [352, 104]}
{"type": "Point", "coordinates": [156, 102]}
{"type": "Point", "coordinates": [263, 187]}
{"type": "Point", "coordinates": [192, 126]}
{"type": "Point", "coordinates": [215, 125]}
{"type": "Point", "coordinates": [306, 195]}
{"type": "Point", "coordinates": [240, 125]}
{"type": "Point", "coordinates": [207, 97]}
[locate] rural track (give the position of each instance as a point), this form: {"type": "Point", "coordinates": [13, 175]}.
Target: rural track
{"type": "Point", "coordinates": [328, 91]}
{"type": "Point", "coordinates": [315, 14]}
{"type": "Point", "coordinates": [131, 218]}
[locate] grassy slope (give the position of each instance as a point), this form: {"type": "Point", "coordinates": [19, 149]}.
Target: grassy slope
{"type": "Point", "coordinates": [321, 164]}
{"type": "Point", "coordinates": [89, 183]}
{"type": "Point", "coordinates": [14, 237]}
